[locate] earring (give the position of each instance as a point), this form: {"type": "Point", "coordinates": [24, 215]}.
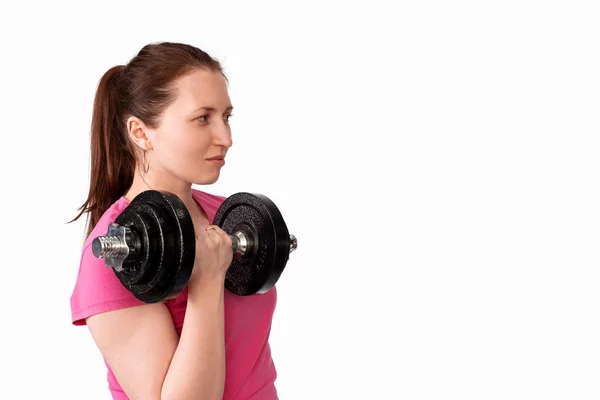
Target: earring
{"type": "Point", "coordinates": [146, 168]}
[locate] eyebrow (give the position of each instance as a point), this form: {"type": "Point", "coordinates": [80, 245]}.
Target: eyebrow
{"type": "Point", "coordinates": [212, 109]}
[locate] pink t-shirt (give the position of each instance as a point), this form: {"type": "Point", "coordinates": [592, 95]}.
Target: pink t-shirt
{"type": "Point", "coordinates": [250, 372]}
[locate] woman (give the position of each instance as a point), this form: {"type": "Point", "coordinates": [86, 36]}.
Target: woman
{"type": "Point", "coordinates": [162, 122]}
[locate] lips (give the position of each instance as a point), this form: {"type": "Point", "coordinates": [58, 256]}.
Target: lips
{"type": "Point", "coordinates": [216, 160]}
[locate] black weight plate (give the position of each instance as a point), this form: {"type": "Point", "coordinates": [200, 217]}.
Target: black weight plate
{"type": "Point", "coordinates": [167, 232]}
{"type": "Point", "coordinates": [153, 242]}
{"type": "Point", "coordinates": [181, 244]}
{"type": "Point", "coordinates": [138, 270]}
{"type": "Point", "coordinates": [158, 284]}
{"type": "Point", "coordinates": [269, 242]}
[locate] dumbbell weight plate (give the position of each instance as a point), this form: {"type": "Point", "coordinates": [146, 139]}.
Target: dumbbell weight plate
{"type": "Point", "coordinates": [260, 220]}
{"type": "Point", "coordinates": [163, 266]}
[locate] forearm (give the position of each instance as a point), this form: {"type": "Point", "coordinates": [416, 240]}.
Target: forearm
{"type": "Point", "coordinates": [197, 370]}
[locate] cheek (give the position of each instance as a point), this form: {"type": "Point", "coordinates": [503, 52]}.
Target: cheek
{"type": "Point", "coordinates": [184, 149]}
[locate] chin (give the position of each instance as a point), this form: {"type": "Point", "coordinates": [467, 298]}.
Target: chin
{"type": "Point", "coordinates": [206, 179]}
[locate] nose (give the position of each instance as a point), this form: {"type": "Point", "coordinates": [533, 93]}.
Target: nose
{"type": "Point", "coordinates": [222, 135]}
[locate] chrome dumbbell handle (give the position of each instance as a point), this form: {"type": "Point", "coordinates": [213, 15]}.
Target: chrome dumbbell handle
{"type": "Point", "coordinates": [240, 243]}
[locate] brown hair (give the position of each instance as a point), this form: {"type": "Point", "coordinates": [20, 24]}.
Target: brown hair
{"type": "Point", "coordinates": [142, 88]}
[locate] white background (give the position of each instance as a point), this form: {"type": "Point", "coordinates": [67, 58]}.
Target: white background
{"type": "Point", "coordinates": [438, 162]}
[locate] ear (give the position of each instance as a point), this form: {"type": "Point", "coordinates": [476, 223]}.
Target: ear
{"type": "Point", "coordinates": [138, 133]}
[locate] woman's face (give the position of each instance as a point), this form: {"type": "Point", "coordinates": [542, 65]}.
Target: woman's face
{"type": "Point", "coordinates": [194, 133]}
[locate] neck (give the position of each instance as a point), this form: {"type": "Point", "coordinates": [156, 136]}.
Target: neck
{"type": "Point", "coordinates": [158, 180]}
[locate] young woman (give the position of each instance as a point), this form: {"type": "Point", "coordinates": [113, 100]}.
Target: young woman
{"type": "Point", "coordinates": [161, 122]}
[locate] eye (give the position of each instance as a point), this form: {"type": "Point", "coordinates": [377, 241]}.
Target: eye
{"type": "Point", "coordinates": [228, 116]}
{"type": "Point", "coordinates": [202, 118]}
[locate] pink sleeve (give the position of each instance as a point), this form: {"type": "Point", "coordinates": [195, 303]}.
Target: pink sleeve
{"type": "Point", "coordinates": [97, 289]}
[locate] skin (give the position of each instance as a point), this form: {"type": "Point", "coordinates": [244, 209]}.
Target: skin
{"type": "Point", "coordinates": [140, 344]}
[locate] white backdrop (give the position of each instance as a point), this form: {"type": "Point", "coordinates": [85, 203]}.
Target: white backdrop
{"type": "Point", "coordinates": [438, 162]}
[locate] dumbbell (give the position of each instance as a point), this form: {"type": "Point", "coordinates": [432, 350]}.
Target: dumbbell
{"type": "Point", "coordinates": [151, 245]}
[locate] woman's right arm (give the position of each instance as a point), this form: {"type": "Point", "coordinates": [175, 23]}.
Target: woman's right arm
{"type": "Point", "coordinates": [150, 361]}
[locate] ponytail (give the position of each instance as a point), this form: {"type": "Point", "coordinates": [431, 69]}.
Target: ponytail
{"type": "Point", "coordinates": [112, 158]}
